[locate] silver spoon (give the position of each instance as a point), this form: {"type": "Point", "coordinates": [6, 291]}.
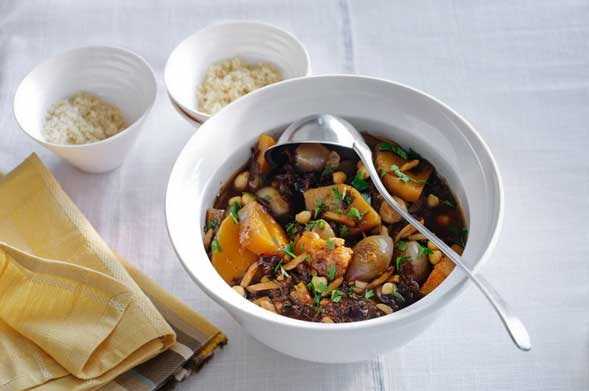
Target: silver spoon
{"type": "Point", "coordinates": [329, 129]}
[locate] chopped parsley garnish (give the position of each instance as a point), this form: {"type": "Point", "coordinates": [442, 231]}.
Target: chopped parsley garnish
{"type": "Point", "coordinates": [355, 213]}
{"type": "Point", "coordinates": [398, 296]}
{"type": "Point", "coordinates": [319, 207]}
{"type": "Point", "coordinates": [289, 250]}
{"type": "Point", "coordinates": [336, 193]}
{"type": "Point", "coordinates": [397, 150]}
{"type": "Point", "coordinates": [400, 260]}
{"type": "Point", "coordinates": [359, 183]}
{"type": "Point", "coordinates": [318, 287]}
{"type": "Point", "coordinates": [291, 229]}
{"type": "Point", "coordinates": [404, 177]}
{"type": "Point", "coordinates": [347, 200]}
{"type": "Point", "coordinates": [368, 294]}
{"type": "Point", "coordinates": [213, 224]}
{"type": "Point", "coordinates": [233, 209]}
{"type": "Point", "coordinates": [331, 271]}
{"type": "Point", "coordinates": [336, 295]}
{"type": "Point", "coordinates": [400, 174]}
{"type": "Point", "coordinates": [330, 244]}
{"type": "Point", "coordinates": [423, 250]}
{"type": "Point", "coordinates": [315, 223]}
{"type": "Point", "coordinates": [448, 203]}
{"type": "Point", "coordinates": [216, 246]}
{"type": "Point", "coordinates": [402, 245]}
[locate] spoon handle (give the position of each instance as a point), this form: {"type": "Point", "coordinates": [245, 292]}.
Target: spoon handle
{"type": "Point", "coordinates": [516, 329]}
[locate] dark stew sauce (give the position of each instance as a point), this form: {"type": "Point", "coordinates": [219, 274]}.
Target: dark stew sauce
{"type": "Point", "coordinates": [313, 240]}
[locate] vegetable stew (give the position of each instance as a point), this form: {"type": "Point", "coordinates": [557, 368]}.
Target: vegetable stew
{"type": "Point", "coordinates": [313, 239]}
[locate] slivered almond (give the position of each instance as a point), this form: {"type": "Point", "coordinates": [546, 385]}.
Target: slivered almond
{"type": "Point", "coordinates": [295, 261]}
{"type": "Point", "coordinates": [379, 280]}
{"type": "Point", "coordinates": [340, 218]}
{"type": "Point", "coordinates": [333, 285]}
{"type": "Point", "coordinates": [417, 237]}
{"type": "Point", "coordinates": [263, 286]}
{"type": "Point", "coordinates": [409, 165]}
{"type": "Point", "coordinates": [249, 275]}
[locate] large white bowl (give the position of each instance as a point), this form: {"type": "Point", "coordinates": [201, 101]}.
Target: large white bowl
{"type": "Point", "coordinates": [119, 76]}
{"type": "Point", "coordinates": [252, 41]}
{"type": "Point", "coordinates": [410, 117]}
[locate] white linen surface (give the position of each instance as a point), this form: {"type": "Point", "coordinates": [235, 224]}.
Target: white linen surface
{"type": "Point", "coordinates": [519, 70]}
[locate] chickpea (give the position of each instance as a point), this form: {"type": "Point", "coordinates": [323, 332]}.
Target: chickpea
{"type": "Point", "coordinates": [303, 217]}
{"type": "Point", "coordinates": [246, 198]}
{"type": "Point", "coordinates": [435, 257]}
{"type": "Point", "coordinates": [432, 201]}
{"type": "Point", "coordinates": [240, 182]}
{"type": "Point", "coordinates": [339, 177]}
{"type": "Point", "coordinates": [388, 288]}
{"type": "Point", "coordinates": [326, 319]}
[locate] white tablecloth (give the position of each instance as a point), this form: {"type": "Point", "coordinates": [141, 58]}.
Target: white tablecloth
{"type": "Point", "coordinates": [519, 70]}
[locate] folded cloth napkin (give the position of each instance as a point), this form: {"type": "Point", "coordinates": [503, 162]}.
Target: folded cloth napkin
{"type": "Point", "coordinates": [73, 314]}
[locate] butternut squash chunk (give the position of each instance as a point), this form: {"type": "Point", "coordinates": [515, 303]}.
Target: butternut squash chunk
{"type": "Point", "coordinates": [329, 199]}
{"type": "Point", "coordinates": [408, 190]}
{"type": "Point", "coordinates": [439, 274]}
{"type": "Point", "coordinates": [259, 232]}
{"type": "Point", "coordinates": [229, 258]}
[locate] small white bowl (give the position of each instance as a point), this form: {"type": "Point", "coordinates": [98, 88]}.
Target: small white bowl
{"type": "Point", "coordinates": [116, 75]}
{"type": "Point", "coordinates": [386, 109]}
{"type": "Point", "coordinates": [252, 41]}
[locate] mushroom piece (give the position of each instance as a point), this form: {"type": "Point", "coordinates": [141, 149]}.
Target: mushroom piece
{"type": "Point", "coordinates": [418, 259]}
{"type": "Point", "coordinates": [311, 157]}
{"type": "Point", "coordinates": [278, 205]}
{"type": "Point", "coordinates": [372, 255]}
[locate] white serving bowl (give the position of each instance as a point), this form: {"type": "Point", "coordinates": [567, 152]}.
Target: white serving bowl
{"type": "Point", "coordinates": [116, 75]}
{"type": "Point", "coordinates": [410, 117]}
{"type": "Point", "coordinates": [252, 41]}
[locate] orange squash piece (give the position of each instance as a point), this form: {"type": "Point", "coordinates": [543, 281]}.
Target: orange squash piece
{"type": "Point", "coordinates": [264, 142]}
{"type": "Point", "coordinates": [259, 232]}
{"type": "Point", "coordinates": [327, 196]}
{"type": "Point", "coordinates": [230, 259]}
{"type": "Point", "coordinates": [439, 274]}
{"type": "Point", "coordinates": [409, 191]}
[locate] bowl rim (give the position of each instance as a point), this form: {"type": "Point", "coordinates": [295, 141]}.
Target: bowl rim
{"type": "Point", "coordinates": [107, 140]}
{"type": "Point", "coordinates": [220, 24]}
{"type": "Point", "coordinates": [420, 308]}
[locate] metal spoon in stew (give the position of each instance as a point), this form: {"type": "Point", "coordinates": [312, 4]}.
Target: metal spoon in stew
{"type": "Point", "coordinates": [334, 131]}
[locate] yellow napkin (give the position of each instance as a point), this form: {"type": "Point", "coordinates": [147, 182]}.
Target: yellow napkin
{"type": "Point", "coordinates": [72, 315]}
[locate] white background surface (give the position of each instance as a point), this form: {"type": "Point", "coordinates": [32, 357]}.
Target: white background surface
{"type": "Point", "coordinates": [518, 70]}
